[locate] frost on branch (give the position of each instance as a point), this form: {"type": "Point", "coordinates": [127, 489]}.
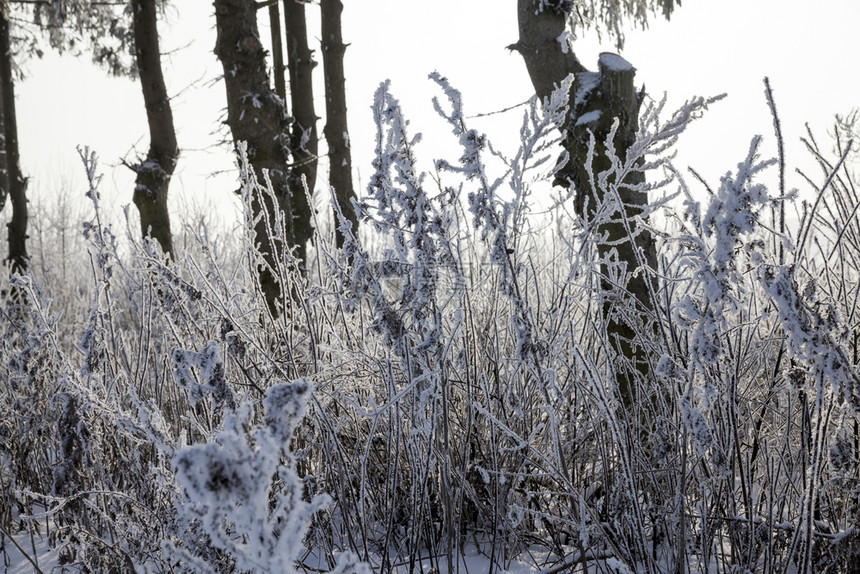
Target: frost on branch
{"type": "Point", "coordinates": [242, 488]}
{"type": "Point", "coordinates": [812, 330]}
{"type": "Point", "coordinates": [715, 254]}
{"type": "Point", "coordinates": [416, 226]}
{"type": "Point", "coordinates": [207, 362]}
{"type": "Point", "coordinates": [732, 215]}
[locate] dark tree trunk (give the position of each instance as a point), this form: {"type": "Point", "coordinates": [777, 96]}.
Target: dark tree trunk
{"type": "Point", "coordinates": [17, 184]}
{"type": "Point", "coordinates": [335, 131]}
{"type": "Point", "coordinates": [4, 186]}
{"type": "Point", "coordinates": [153, 173]}
{"type": "Point", "coordinates": [278, 66]}
{"type": "Point", "coordinates": [539, 45]}
{"type": "Point", "coordinates": [304, 139]}
{"type": "Point", "coordinates": [615, 97]}
{"type": "Point", "coordinates": [255, 115]}
{"type": "Point", "coordinates": [596, 99]}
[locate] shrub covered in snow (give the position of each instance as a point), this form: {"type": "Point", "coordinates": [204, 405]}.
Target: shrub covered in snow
{"type": "Point", "coordinates": [446, 386]}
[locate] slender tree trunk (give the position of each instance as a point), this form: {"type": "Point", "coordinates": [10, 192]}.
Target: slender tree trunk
{"type": "Point", "coordinates": [153, 173]}
{"type": "Point", "coordinates": [4, 186]}
{"type": "Point", "coordinates": [17, 184]}
{"type": "Point", "coordinates": [596, 100]}
{"type": "Point", "coordinates": [304, 139]}
{"type": "Point", "coordinates": [278, 67]}
{"type": "Point", "coordinates": [335, 131]}
{"type": "Point", "coordinates": [255, 115]}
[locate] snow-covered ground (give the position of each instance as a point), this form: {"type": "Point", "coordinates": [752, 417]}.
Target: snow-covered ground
{"type": "Point", "coordinates": [25, 554]}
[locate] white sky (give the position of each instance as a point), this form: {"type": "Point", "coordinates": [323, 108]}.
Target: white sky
{"type": "Point", "coordinates": [808, 49]}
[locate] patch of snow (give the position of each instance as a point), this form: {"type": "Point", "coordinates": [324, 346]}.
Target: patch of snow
{"type": "Point", "coordinates": [23, 553]}
{"type": "Point", "coordinates": [565, 39]}
{"type": "Point", "coordinates": [588, 117]}
{"type": "Point", "coordinates": [614, 62]}
{"type": "Point", "coordinates": [586, 81]}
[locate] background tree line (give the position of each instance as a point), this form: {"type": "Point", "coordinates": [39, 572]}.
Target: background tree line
{"type": "Point", "coordinates": [269, 96]}
{"type": "Point", "coordinates": [123, 38]}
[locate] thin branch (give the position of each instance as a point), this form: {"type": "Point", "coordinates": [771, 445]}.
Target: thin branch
{"type": "Point", "coordinates": [513, 107]}
{"type": "Point", "coordinates": [824, 187]}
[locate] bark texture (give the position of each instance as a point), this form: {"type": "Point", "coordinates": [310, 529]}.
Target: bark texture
{"type": "Point", "coordinates": [278, 66]}
{"type": "Point", "coordinates": [4, 187]}
{"type": "Point", "coordinates": [540, 29]}
{"type": "Point", "coordinates": [335, 131]}
{"type": "Point", "coordinates": [599, 100]}
{"type": "Point", "coordinates": [256, 115]}
{"type": "Point", "coordinates": [304, 139]}
{"type": "Point", "coordinates": [19, 260]}
{"type": "Point", "coordinates": [154, 173]}
{"type": "Point", "coordinates": [596, 100]}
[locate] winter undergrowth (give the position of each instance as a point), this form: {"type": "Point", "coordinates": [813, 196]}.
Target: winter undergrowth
{"type": "Point", "coordinates": [448, 388]}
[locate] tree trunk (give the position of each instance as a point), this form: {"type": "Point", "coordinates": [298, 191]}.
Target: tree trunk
{"type": "Point", "coordinates": [17, 184]}
{"type": "Point", "coordinates": [335, 131]}
{"type": "Point", "coordinates": [304, 139]}
{"type": "Point", "coordinates": [540, 46]}
{"type": "Point", "coordinates": [4, 186]}
{"type": "Point", "coordinates": [614, 97]}
{"type": "Point", "coordinates": [596, 100]}
{"type": "Point", "coordinates": [255, 115]}
{"type": "Point", "coordinates": [278, 66]}
{"type": "Point", "coordinates": [153, 173]}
